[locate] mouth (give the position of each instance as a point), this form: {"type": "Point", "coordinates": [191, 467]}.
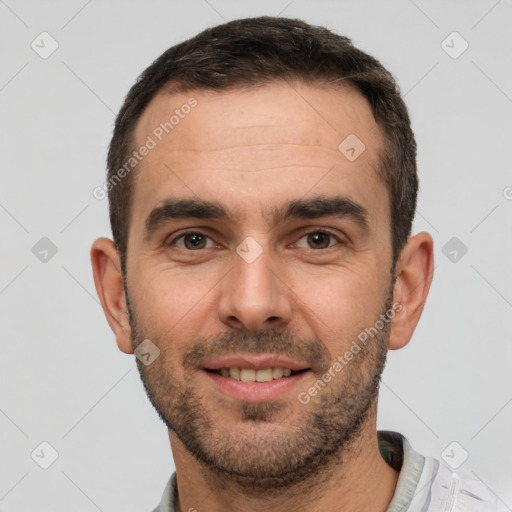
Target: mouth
{"type": "Point", "coordinates": [252, 375]}
{"type": "Point", "coordinates": [256, 378]}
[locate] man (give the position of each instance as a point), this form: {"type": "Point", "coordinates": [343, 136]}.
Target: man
{"type": "Point", "coordinates": [262, 185]}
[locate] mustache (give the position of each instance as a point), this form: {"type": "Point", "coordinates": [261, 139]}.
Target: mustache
{"type": "Point", "coordinates": [272, 341]}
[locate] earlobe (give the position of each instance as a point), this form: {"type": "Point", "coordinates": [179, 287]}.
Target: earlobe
{"type": "Point", "coordinates": [414, 277]}
{"type": "Point", "coordinates": [108, 279]}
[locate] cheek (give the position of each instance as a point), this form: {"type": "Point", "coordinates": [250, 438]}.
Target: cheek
{"type": "Point", "coordinates": [338, 305]}
{"type": "Point", "coordinates": [171, 305]}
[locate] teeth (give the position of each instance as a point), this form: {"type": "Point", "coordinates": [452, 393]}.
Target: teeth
{"type": "Point", "coordinates": [264, 375]}
{"type": "Point", "coordinates": [247, 375]}
{"type": "Point", "coordinates": [277, 373]}
{"type": "Point", "coordinates": [250, 375]}
{"type": "Point", "coordinates": [234, 373]}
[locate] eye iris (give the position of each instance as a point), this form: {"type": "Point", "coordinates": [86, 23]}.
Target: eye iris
{"type": "Point", "coordinates": [317, 237]}
{"type": "Point", "coordinates": [196, 240]}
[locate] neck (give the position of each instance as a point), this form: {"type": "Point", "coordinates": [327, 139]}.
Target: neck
{"type": "Point", "coordinates": [358, 479]}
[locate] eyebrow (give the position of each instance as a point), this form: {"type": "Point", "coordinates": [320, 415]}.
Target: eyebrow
{"type": "Point", "coordinates": [317, 207]}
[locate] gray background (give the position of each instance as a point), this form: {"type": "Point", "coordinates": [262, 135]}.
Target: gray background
{"type": "Point", "coordinates": [62, 377]}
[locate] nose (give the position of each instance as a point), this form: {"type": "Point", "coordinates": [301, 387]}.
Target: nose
{"type": "Point", "coordinates": [255, 296]}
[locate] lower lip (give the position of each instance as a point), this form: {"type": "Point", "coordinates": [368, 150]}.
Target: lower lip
{"type": "Point", "coordinates": [256, 391]}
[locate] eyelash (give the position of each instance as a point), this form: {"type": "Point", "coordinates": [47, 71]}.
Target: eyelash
{"type": "Point", "coordinates": [303, 234]}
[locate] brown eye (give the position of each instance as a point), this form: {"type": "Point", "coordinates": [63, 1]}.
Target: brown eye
{"type": "Point", "coordinates": [192, 241]}
{"type": "Point", "coordinates": [319, 240]}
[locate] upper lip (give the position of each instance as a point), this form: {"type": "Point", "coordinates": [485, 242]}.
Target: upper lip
{"type": "Point", "coordinates": [255, 362]}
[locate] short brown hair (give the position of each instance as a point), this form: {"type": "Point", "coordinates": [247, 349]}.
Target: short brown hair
{"type": "Point", "coordinates": [255, 51]}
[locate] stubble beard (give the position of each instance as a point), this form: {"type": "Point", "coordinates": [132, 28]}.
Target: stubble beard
{"type": "Point", "coordinates": [268, 457]}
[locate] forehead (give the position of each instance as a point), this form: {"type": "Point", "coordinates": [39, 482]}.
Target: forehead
{"type": "Point", "coordinates": [292, 113]}
{"type": "Point", "coordinates": [249, 145]}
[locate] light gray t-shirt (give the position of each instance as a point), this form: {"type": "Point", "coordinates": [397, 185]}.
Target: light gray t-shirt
{"type": "Point", "coordinates": [425, 484]}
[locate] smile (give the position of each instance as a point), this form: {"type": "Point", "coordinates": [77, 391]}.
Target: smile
{"type": "Point", "coordinates": [253, 386]}
{"type": "Point", "coordinates": [252, 375]}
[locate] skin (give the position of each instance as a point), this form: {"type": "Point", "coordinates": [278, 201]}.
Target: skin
{"type": "Point", "coordinates": [253, 150]}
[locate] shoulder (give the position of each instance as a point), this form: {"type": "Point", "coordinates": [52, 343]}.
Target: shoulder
{"type": "Point", "coordinates": [428, 484]}
{"type": "Point", "coordinates": [463, 492]}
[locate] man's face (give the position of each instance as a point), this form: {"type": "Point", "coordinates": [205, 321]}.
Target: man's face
{"type": "Point", "coordinates": [255, 289]}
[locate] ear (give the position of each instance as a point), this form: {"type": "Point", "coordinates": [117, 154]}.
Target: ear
{"type": "Point", "coordinates": [414, 272]}
{"type": "Point", "coordinates": [108, 279]}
